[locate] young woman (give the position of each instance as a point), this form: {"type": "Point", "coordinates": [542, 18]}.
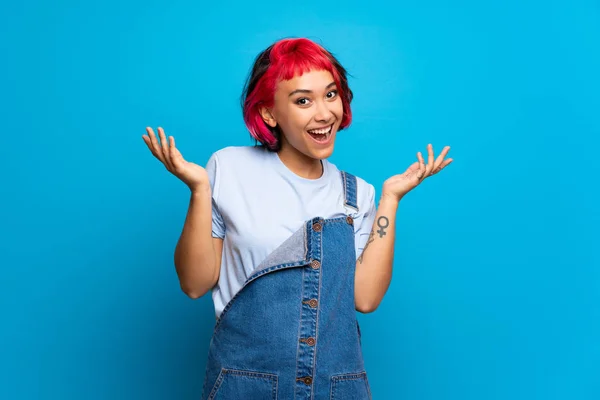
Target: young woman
{"type": "Point", "coordinates": [290, 246]}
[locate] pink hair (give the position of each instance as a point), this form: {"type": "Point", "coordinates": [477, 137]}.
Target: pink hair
{"type": "Point", "coordinates": [284, 60]}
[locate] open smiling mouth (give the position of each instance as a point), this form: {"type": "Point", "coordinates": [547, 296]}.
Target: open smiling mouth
{"type": "Point", "coordinates": [322, 135]}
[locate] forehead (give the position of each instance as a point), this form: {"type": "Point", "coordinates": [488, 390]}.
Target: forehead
{"type": "Point", "coordinates": [312, 80]}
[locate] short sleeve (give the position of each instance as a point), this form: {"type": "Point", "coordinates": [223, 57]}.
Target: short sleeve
{"type": "Point", "coordinates": [366, 222]}
{"type": "Point", "coordinates": [218, 225]}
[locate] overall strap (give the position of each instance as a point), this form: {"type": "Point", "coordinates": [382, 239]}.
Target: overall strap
{"type": "Point", "coordinates": [349, 182]}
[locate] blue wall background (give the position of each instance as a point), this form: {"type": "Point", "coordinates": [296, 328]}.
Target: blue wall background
{"type": "Point", "coordinates": [496, 285]}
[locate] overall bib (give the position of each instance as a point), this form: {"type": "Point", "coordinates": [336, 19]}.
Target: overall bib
{"type": "Point", "coordinates": [291, 332]}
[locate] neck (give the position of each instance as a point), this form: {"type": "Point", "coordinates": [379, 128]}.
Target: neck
{"type": "Point", "coordinates": [300, 164]}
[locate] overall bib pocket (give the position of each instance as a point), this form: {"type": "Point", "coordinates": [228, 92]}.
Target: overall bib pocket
{"type": "Point", "coordinates": [350, 387]}
{"type": "Point", "coordinates": [256, 385]}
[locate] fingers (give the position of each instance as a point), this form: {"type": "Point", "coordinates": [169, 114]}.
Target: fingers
{"type": "Point", "coordinates": [174, 155]}
{"type": "Point", "coordinates": [444, 164]}
{"type": "Point", "coordinates": [429, 166]}
{"type": "Point", "coordinates": [421, 171]}
{"type": "Point", "coordinates": [165, 148]}
{"type": "Point", "coordinates": [153, 144]}
{"type": "Point", "coordinates": [440, 163]}
{"type": "Point", "coordinates": [433, 167]}
{"type": "Point", "coordinates": [162, 148]}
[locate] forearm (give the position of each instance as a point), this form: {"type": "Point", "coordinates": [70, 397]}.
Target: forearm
{"type": "Point", "coordinates": [195, 258]}
{"type": "Point", "coordinates": [374, 266]}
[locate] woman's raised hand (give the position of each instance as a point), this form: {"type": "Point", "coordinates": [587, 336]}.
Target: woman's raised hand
{"type": "Point", "coordinates": [193, 175]}
{"type": "Point", "coordinates": [398, 185]}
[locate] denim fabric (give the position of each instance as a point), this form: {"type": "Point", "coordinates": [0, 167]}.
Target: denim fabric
{"type": "Point", "coordinates": [350, 190]}
{"type": "Point", "coordinates": [291, 331]}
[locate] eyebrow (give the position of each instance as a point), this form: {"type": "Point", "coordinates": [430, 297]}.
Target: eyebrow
{"type": "Point", "coordinates": [309, 91]}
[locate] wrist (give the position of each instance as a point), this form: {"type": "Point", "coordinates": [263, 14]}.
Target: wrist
{"type": "Point", "coordinates": [388, 201]}
{"type": "Point", "coordinates": [200, 190]}
{"type": "Point", "coordinates": [390, 198]}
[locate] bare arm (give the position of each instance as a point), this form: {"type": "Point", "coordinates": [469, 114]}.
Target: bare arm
{"type": "Point", "coordinates": [198, 254]}
{"type": "Point", "coordinates": [374, 266]}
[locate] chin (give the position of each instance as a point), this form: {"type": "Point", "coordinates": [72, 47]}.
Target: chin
{"type": "Point", "coordinates": [322, 154]}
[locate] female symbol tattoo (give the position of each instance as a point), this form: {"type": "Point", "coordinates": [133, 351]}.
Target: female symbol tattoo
{"type": "Point", "coordinates": [382, 227]}
{"type": "Point", "coordinates": [380, 223]}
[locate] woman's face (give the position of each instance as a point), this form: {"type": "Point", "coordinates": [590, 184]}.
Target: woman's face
{"type": "Point", "coordinates": [308, 110]}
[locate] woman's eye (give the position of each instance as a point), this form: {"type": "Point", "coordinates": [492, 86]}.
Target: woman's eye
{"type": "Point", "coordinates": [332, 94]}
{"type": "Point", "coordinates": [302, 101]}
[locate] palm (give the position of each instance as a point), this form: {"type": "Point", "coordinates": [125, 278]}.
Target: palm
{"type": "Point", "coordinates": [193, 175]}
{"type": "Point", "coordinates": [403, 182]}
{"type": "Point", "coordinates": [398, 185]}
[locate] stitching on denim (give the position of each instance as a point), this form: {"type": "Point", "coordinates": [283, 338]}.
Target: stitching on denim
{"type": "Point", "coordinates": [351, 376]}
{"type": "Point", "coordinates": [318, 311]}
{"type": "Point", "coordinates": [345, 189]}
{"type": "Point", "coordinates": [337, 220]}
{"type": "Point", "coordinates": [334, 380]}
{"type": "Point", "coordinates": [306, 241]}
{"type": "Point", "coordinates": [307, 256]}
{"type": "Point", "coordinates": [331, 386]}
{"type": "Point", "coordinates": [368, 387]}
{"type": "Point", "coordinates": [346, 203]}
{"type": "Point", "coordinates": [256, 374]}
{"type": "Point", "coordinates": [299, 329]}
{"type": "Point", "coordinates": [217, 385]}
{"type": "Point", "coordinates": [274, 379]}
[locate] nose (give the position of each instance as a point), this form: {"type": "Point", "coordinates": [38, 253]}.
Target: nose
{"type": "Point", "coordinates": [323, 113]}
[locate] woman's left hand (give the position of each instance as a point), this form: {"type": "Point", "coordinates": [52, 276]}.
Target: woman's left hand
{"type": "Point", "coordinates": [398, 185]}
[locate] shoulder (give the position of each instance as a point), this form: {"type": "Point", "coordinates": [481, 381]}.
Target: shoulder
{"type": "Point", "coordinates": [229, 163]}
{"type": "Point", "coordinates": [237, 166]}
{"type": "Point", "coordinates": [235, 153]}
{"type": "Point", "coordinates": [364, 185]}
{"type": "Point", "coordinates": [236, 159]}
{"type": "Point", "coordinates": [365, 193]}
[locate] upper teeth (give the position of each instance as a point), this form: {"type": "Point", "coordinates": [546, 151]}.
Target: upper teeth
{"type": "Point", "coordinates": [320, 131]}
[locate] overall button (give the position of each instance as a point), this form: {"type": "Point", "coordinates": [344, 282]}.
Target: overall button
{"type": "Point", "coordinates": [310, 341]}
{"type": "Point", "coordinates": [312, 302]}
{"type": "Point", "coordinates": [317, 227]}
{"type": "Point", "coordinates": [314, 264]}
{"type": "Point", "coordinates": [350, 220]}
{"type": "Point", "coordinates": [307, 380]}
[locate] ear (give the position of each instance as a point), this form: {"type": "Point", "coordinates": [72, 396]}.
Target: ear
{"type": "Point", "coordinates": [267, 116]}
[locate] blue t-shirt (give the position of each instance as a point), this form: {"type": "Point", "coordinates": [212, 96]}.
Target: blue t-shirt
{"type": "Point", "coordinates": [258, 203]}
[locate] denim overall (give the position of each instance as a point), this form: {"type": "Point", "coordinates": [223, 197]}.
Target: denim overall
{"type": "Point", "coordinates": [291, 332]}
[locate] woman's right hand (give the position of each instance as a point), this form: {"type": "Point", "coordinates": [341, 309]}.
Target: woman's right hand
{"type": "Point", "coordinates": [193, 175]}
